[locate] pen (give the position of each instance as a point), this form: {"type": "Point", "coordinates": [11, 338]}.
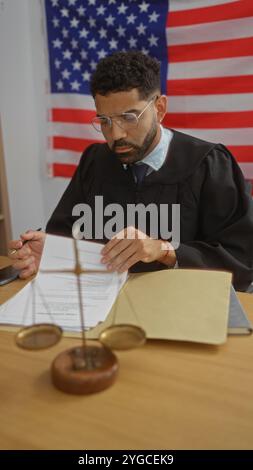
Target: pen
{"type": "Point", "coordinates": [15, 251]}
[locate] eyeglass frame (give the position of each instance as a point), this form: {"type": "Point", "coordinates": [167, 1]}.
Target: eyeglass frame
{"type": "Point", "coordinates": [110, 118]}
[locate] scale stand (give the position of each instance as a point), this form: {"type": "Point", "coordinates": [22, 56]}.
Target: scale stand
{"type": "Point", "coordinates": [88, 368]}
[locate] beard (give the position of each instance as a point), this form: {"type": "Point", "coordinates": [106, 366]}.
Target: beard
{"type": "Point", "coordinates": [137, 152]}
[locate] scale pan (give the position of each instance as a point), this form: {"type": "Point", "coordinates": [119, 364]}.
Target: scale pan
{"type": "Point", "coordinates": [40, 336]}
{"type": "Point", "coordinates": [123, 337]}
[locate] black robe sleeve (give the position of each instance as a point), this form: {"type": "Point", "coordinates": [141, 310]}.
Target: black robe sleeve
{"type": "Point", "coordinates": [225, 220]}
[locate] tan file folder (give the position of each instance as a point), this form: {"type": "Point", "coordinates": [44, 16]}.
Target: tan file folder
{"type": "Point", "coordinates": [179, 304]}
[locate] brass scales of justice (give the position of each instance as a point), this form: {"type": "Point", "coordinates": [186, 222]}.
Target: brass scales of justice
{"type": "Point", "coordinates": [92, 366]}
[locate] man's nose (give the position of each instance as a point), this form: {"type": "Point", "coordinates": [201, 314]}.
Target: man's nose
{"type": "Point", "coordinates": [117, 132]}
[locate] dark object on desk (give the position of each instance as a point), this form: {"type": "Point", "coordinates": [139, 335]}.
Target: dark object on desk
{"type": "Point", "coordinates": [8, 274]}
{"type": "Point", "coordinates": [238, 323]}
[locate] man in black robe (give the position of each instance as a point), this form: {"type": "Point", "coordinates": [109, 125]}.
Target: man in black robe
{"type": "Point", "coordinates": [216, 213]}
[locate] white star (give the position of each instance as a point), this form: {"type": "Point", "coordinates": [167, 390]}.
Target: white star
{"type": "Point", "coordinates": [121, 31]}
{"type": "Point", "coordinates": [74, 44]}
{"type": "Point", "coordinates": [113, 44]}
{"type": "Point", "coordinates": [110, 20]}
{"type": "Point", "coordinates": [59, 85]}
{"type": "Point", "coordinates": [83, 33]}
{"type": "Point", "coordinates": [112, 1]}
{"type": "Point", "coordinates": [75, 85]}
{"type": "Point", "coordinates": [67, 54]}
{"type": "Point", "coordinates": [122, 8]}
{"type": "Point", "coordinates": [92, 22]}
{"type": "Point", "coordinates": [102, 54]}
{"type": "Point", "coordinates": [132, 42]}
{"type": "Point", "coordinates": [153, 40]}
{"type": "Point", "coordinates": [76, 65]}
{"type": "Point", "coordinates": [57, 43]}
{"type": "Point", "coordinates": [83, 54]}
{"type": "Point", "coordinates": [66, 74]}
{"type": "Point", "coordinates": [141, 28]}
{"type": "Point", "coordinates": [101, 10]}
{"type": "Point", "coordinates": [102, 33]}
{"type": "Point", "coordinates": [57, 63]}
{"type": "Point", "coordinates": [72, 2]}
{"type": "Point", "coordinates": [86, 76]}
{"type": "Point", "coordinates": [144, 51]}
{"type": "Point", "coordinates": [92, 44]}
{"type": "Point", "coordinates": [143, 7]}
{"type": "Point", "coordinates": [54, 3]}
{"type": "Point", "coordinates": [92, 2]}
{"type": "Point", "coordinates": [74, 23]}
{"type": "Point", "coordinates": [131, 19]}
{"type": "Point", "coordinates": [65, 33]}
{"type": "Point", "coordinates": [65, 13]}
{"type": "Point", "coordinates": [81, 10]}
{"type": "Point", "coordinates": [93, 65]}
{"type": "Point", "coordinates": [153, 17]}
{"type": "Point", "coordinates": [55, 22]}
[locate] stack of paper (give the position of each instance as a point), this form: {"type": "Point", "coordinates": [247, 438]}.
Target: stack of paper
{"type": "Point", "coordinates": [53, 297]}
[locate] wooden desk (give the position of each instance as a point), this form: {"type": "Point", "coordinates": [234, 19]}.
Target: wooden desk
{"type": "Point", "coordinates": [169, 395]}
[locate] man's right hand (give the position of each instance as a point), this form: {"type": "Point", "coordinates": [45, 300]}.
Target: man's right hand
{"type": "Point", "coordinates": [27, 257]}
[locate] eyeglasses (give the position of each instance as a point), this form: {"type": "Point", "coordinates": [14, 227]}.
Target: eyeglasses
{"type": "Point", "coordinates": [125, 120]}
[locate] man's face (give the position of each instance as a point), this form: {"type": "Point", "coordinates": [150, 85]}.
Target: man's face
{"type": "Point", "coordinates": [129, 145]}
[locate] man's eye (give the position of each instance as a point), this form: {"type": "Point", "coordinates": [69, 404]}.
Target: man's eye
{"type": "Point", "coordinates": [103, 121]}
{"type": "Point", "coordinates": [128, 117]}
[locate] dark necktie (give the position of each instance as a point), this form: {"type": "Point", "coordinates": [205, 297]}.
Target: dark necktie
{"type": "Point", "coordinates": [139, 171]}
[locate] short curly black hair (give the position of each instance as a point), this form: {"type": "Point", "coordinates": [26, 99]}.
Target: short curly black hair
{"type": "Point", "coordinates": [123, 71]}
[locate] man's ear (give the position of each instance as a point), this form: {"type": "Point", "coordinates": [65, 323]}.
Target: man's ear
{"type": "Point", "coordinates": [161, 107]}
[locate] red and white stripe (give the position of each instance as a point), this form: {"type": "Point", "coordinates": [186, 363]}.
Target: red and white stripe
{"type": "Point", "coordinates": [210, 75]}
{"type": "Point", "coordinates": [69, 131]}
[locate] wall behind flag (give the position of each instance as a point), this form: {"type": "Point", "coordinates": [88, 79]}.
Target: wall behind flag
{"type": "Point", "coordinates": [32, 194]}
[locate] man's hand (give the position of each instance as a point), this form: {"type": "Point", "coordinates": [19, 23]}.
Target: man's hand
{"type": "Point", "coordinates": [130, 246]}
{"type": "Point", "coordinates": [27, 257]}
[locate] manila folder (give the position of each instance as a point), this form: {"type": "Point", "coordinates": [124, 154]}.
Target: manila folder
{"type": "Point", "coordinates": [177, 304]}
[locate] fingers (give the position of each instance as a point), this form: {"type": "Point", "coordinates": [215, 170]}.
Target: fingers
{"type": "Point", "coordinates": [23, 264]}
{"type": "Point", "coordinates": [110, 245]}
{"type": "Point", "coordinates": [121, 258]}
{"type": "Point", "coordinates": [28, 272]}
{"type": "Point", "coordinates": [115, 249]}
{"type": "Point", "coordinates": [19, 248]}
{"type": "Point", "coordinates": [124, 250]}
{"type": "Point", "coordinates": [21, 253]}
{"type": "Point", "coordinates": [14, 244]}
{"type": "Point", "coordinates": [32, 235]}
{"type": "Point", "coordinates": [128, 263]}
{"type": "Point", "coordinates": [128, 233]}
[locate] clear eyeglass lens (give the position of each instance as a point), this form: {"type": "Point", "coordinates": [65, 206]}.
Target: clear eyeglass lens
{"type": "Point", "coordinates": [128, 120]}
{"type": "Point", "coordinates": [125, 121]}
{"type": "Point", "coordinates": [99, 123]}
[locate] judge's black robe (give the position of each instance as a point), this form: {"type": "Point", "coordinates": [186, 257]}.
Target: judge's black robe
{"type": "Point", "coordinates": [216, 217]}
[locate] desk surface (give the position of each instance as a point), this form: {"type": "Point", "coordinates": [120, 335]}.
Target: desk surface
{"type": "Point", "coordinates": [169, 395]}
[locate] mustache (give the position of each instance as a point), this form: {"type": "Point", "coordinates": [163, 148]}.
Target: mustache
{"type": "Point", "coordinates": [123, 143]}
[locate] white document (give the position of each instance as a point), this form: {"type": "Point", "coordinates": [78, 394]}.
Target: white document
{"type": "Point", "coordinates": [53, 297]}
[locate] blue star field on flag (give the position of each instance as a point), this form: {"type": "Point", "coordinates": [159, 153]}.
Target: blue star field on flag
{"type": "Point", "coordinates": [81, 32]}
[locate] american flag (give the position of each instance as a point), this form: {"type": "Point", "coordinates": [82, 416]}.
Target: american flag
{"type": "Point", "coordinates": [206, 53]}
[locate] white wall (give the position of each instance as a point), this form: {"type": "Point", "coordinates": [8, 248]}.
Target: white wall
{"type": "Point", "coordinates": [23, 74]}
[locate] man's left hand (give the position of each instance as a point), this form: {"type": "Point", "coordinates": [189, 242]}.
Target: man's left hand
{"type": "Point", "coordinates": [130, 246]}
